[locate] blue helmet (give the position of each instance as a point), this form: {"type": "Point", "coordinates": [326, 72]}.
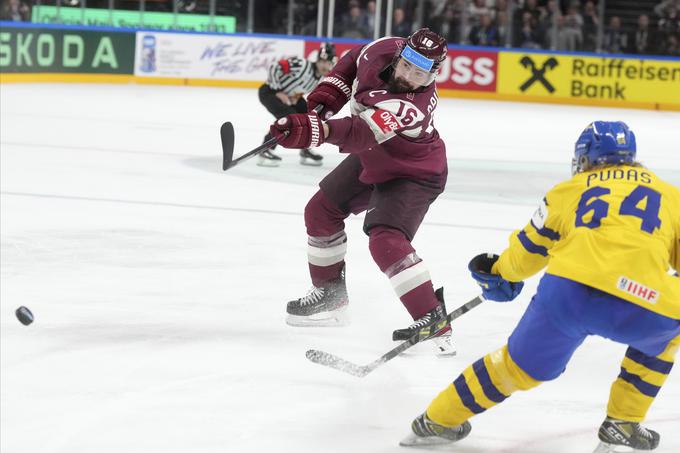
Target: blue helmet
{"type": "Point", "coordinates": [603, 142]}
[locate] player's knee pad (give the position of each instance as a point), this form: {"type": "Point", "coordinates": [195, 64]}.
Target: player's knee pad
{"type": "Point", "coordinates": [323, 217]}
{"type": "Point", "coordinates": [504, 371]}
{"type": "Point", "coordinates": [388, 246]}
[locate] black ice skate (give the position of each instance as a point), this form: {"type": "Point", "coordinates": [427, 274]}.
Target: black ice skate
{"type": "Point", "coordinates": [308, 157]}
{"type": "Point", "coordinates": [441, 340]}
{"type": "Point", "coordinates": [622, 436]}
{"type": "Point", "coordinates": [425, 432]}
{"type": "Point", "coordinates": [324, 306]}
{"type": "Point", "coordinates": [267, 158]}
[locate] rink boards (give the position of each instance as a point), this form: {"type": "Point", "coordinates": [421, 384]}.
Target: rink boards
{"type": "Point", "coordinates": [57, 53]}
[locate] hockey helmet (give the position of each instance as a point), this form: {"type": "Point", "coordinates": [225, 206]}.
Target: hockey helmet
{"type": "Point", "coordinates": [424, 51]}
{"type": "Point", "coordinates": [603, 142]}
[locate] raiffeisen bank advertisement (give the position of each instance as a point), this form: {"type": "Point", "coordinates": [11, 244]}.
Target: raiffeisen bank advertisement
{"type": "Point", "coordinates": [610, 80]}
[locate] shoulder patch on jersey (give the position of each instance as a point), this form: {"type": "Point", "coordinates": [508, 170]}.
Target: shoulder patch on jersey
{"type": "Point", "coordinates": [540, 216]}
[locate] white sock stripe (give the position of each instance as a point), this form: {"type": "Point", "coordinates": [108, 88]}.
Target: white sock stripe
{"type": "Point", "coordinates": [410, 278]}
{"type": "Point", "coordinates": [325, 261]}
{"type": "Point", "coordinates": [326, 256]}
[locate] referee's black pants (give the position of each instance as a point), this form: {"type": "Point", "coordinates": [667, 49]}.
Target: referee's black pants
{"type": "Point", "coordinates": [276, 107]}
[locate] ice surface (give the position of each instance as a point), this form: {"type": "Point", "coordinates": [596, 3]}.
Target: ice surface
{"type": "Point", "coordinates": [159, 283]}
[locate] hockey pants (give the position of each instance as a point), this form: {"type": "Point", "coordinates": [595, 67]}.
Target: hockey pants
{"type": "Point", "coordinates": [561, 315]}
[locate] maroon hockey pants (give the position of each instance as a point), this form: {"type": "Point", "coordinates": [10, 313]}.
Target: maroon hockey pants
{"type": "Point", "coordinates": [390, 247]}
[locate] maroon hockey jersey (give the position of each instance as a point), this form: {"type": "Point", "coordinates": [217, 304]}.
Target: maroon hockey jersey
{"type": "Point", "coordinates": [392, 133]}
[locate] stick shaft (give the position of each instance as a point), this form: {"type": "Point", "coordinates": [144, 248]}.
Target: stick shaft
{"type": "Point", "coordinates": [338, 363]}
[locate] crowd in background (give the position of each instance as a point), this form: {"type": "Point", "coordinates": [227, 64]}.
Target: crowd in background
{"type": "Point", "coordinates": [647, 27]}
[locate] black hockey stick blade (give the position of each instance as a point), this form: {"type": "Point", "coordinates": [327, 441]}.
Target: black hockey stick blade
{"type": "Point", "coordinates": [227, 137]}
{"type": "Point", "coordinates": [340, 364]}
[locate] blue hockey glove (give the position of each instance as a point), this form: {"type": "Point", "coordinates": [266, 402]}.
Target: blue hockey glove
{"type": "Point", "coordinates": [494, 287]}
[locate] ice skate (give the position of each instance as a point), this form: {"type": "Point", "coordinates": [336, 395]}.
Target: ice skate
{"type": "Point", "coordinates": [425, 432]}
{"type": "Point", "coordinates": [267, 158]}
{"type": "Point", "coordinates": [321, 307]}
{"type": "Point", "coordinates": [619, 436]}
{"type": "Point", "coordinates": [442, 339]}
{"type": "Point", "coordinates": [309, 157]}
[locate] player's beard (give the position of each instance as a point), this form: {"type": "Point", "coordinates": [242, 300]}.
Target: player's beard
{"type": "Point", "coordinates": [398, 85]}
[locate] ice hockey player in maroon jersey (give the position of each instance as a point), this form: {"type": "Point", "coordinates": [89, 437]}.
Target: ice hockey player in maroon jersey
{"type": "Point", "coordinates": [395, 168]}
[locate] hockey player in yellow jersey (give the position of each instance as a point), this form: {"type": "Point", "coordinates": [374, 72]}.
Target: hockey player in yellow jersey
{"type": "Point", "coordinates": [610, 238]}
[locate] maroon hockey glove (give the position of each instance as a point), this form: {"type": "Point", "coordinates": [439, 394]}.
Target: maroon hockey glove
{"type": "Point", "coordinates": [305, 130]}
{"type": "Point", "coordinates": [332, 93]}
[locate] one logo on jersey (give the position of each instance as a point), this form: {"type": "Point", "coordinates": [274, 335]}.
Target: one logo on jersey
{"type": "Point", "coordinates": [386, 121]}
{"type": "Point", "coordinates": [637, 290]}
{"type": "Point", "coordinates": [538, 74]}
{"type": "Point", "coordinates": [406, 112]}
{"type": "Point", "coordinates": [540, 215]}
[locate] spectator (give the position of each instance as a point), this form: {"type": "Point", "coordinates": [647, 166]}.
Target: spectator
{"type": "Point", "coordinates": [16, 11]}
{"type": "Point", "coordinates": [502, 25]}
{"type": "Point", "coordinates": [591, 25]}
{"type": "Point", "coordinates": [615, 40]}
{"type": "Point", "coordinates": [670, 21]}
{"type": "Point", "coordinates": [526, 29]}
{"type": "Point", "coordinates": [399, 25]}
{"type": "Point", "coordinates": [447, 24]}
{"type": "Point", "coordinates": [642, 40]}
{"type": "Point", "coordinates": [352, 22]}
{"type": "Point", "coordinates": [475, 11]}
{"type": "Point", "coordinates": [531, 6]}
{"type": "Point", "coordinates": [528, 35]}
{"type": "Point", "coordinates": [484, 34]}
{"type": "Point", "coordinates": [662, 8]}
{"type": "Point", "coordinates": [369, 19]}
{"type": "Point", "coordinates": [551, 23]}
{"type": "Point", "coordinates": [573, 29]}
{"type": "Point", "coordinates": [501, 5]}
{"type": "Point", "coordinates": [670, 46]}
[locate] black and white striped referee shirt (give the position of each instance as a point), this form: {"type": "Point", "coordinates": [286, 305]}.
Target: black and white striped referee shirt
{"type": "Point", "coordinates": [293, 76]}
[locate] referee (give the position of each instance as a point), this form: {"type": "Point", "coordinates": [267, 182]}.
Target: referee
{"type": "Point", "coordinates": [288, 80]}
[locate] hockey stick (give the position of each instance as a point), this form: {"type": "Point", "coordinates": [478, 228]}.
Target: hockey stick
{"type": "Point", "coordinates": [333, 361]}
{"type": "Point", "coordinates": [227, 138]}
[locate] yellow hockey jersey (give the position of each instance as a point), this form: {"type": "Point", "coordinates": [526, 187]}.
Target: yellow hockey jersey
{"type": "Point", "coordinates": [614, 228]}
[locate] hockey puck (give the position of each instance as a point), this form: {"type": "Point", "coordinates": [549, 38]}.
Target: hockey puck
{"type": "Point", "coordinates": [24, 315]}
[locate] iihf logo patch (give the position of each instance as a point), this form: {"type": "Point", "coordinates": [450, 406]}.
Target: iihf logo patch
{"type": "Point", "coordinates": [637, 290]}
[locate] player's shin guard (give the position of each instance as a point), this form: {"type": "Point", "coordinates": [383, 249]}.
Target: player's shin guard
{"type": "Point", "coordinates": [638, 383]}
{"type": "Point", "coordinates": [408, 275]}
{"type": "Point", "coordinates": [482, 385]}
